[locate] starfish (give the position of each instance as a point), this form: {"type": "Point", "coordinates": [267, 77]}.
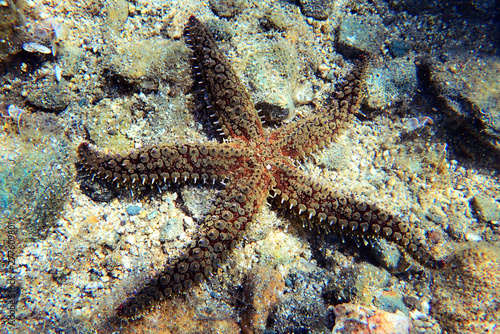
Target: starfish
{"type": "Point", "coordinates": [254, 164]}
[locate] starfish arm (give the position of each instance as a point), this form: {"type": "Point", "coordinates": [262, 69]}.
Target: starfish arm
{"type": "Point", "coordinates": [322, 206]}
{"type": "Point", "coordinates": [205, 162]}
{"type": "Point", "coordinates": [231, 102]}
{"type": "Point", "coordinates": [310, 134]}
{"type": "Point", "coordinates": [234, 208]}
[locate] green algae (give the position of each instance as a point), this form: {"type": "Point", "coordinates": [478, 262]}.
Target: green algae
{"type": "Point", "coordinates": [36, 173]}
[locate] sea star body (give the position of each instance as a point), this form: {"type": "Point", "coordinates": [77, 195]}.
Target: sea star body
{"type": "Point", "coordinates": [253, 164]}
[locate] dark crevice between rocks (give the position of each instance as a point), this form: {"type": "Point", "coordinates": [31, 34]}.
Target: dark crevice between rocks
{"type": "Point", "coordinates": [23, 63]}
{"type": "Point", "coordinates": [461, 132]}
{"type": "Point", "coordinates": [117, 85]}
{"type": "Point", "coordinates": [97, 189]}
{"type": "Point", "coordinates": [271, 114]}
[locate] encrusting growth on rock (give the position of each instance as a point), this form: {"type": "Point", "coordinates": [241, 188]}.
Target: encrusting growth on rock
{"type": "Point", "coordinates": [253, 165]}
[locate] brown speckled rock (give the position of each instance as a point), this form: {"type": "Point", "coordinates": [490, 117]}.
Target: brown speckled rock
{"type": "Point", "coordinates": [268, 285]}
{"type": "Point", "coordinates": [466, 299]}
{"type": "Point", "coordinates": [225, 8]}
{"type": "Point", "coordinates": [318, 9]}
{"type": "Point", "coordinates": [486, 207]}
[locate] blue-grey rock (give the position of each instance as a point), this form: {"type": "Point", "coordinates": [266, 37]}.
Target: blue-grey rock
{"type": "Point", "coordinates": [133, 210]}
{"type": "Point", "coordinates": [391, 83]}
{"type": "Point", "coordinates": [360, 34]}
{"type": "Point", "coordinates": [398, 48]}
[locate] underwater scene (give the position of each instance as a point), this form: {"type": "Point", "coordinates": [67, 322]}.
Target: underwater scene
{"type": "Point", "coordinates": [249, 166]}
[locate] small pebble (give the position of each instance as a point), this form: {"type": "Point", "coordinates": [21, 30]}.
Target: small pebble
{"type": "Point", "coordinates": [35, 47]}
{"type": "Point", "coordinates": [133, 210]}
{"type": "Point", "coordinates": [473, 237]}
{"type": "Point", "coordinates": [418, 323]}
{"type": "Point", "coordinates": [152, 215]}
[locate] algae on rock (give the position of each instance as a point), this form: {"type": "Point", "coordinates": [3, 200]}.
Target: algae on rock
{"type": "Point", "coordinates": [36, 173]}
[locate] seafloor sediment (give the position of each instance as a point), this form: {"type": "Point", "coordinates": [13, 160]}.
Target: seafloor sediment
{"type": "Point", "coordinates": [424, 146]}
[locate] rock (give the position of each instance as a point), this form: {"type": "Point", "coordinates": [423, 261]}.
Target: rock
{"type": "Point", "coordinates": [387, 254]}
{"type": "Point", "coordinates": [466, 298]}
{"type": "Point", "coordinates": [149, 63]}
{"type": "Point", "coordinates": [10, 34]}
{"type": "Point", "coordinates": [468, 89]}
{"type": "Point", "coordinates": [317, 9]}
{"type": "Point", "coordinates": [49, 96]}
{"type": "Point", "coordinates": [271, 66]}
{"type": "Point", "coordinates": [390, 301]}
{"type": "Point", "coordinates": [267, 288]}
{"type": "Point", "coordinates": [302, 308]}
{"type": "Point", "coordinates": [352, 318]}
{"type": "Point", "coordinates": [360, 34]}
{"type": "Point", "coordinates": [36, 169]}
{"type": "Point", "coordinates": [391, 83]}
{"type": "Point", "coordinates": [133, 210]}
{"type": "Point", "coordinates": [487, 208]}
{"type": "Point", "coordinates": [116, 13]}
{"type": "Point", "coordinates": [398, 48]}
{"type": "Point", "coordinates": [225, 8]}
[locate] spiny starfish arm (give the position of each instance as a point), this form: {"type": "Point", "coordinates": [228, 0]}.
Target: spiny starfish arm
{"type": "Point", "coordinates": [230, 101]}
{"type": "Point", "coordinates": [234, 208]}
{"type": "Point", "coordinates": [321, 206]}
{"type": "Point", "coordinates": [308, 135]}
{"type": "Point", "coordinates": [204, 162]}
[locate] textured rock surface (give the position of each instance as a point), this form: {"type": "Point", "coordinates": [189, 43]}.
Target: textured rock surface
{"type": "Point", "coordinates": [487, 208]}
{"type": "Point", "coordinates": [225, 8]}
{"type": "Point", "coordinates": [466, 300]}
{"type": "Point", "coordinates": [318, 9]}
{"type": "Point", "coordinates": [266, 292]}
{"type": "Point", "coordinates": [10, 40]}
{"type": "Point", "coordinates": [468, 87]}
{"type": "Point", "coordinates": [36, 172]}
{"type": "Point", "coordinates": [50, 96]}
{"type": "Point", "coordinates": [391, 83]}
{"type": "Point", "coordinates": [302, 308]}
{"type": "Point", "coordinates": [360, 34]}
{"type": "Point", "coordinates": [351, 318]}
